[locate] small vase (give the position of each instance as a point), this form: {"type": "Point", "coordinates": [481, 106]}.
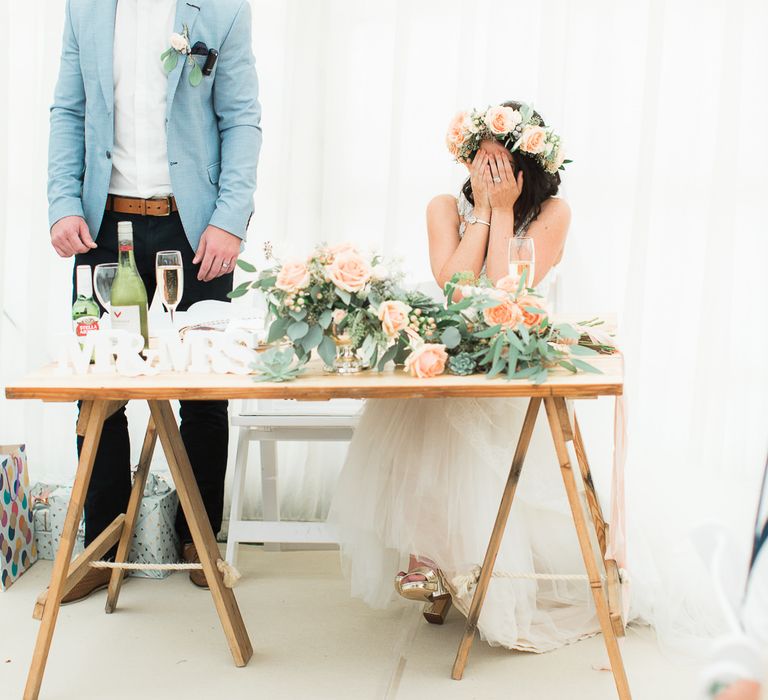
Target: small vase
{"type": "Point", "coordinates": [347, 361]}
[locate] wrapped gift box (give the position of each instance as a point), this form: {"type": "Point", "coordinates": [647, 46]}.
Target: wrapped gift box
{"type": "Point", "coordinates": [58, 502]}
{"type": "Point", "coordinates": [50, 503]}
{"type": "Point", "coordinates": [154, 540]}
{"type": "Point", "coordinates": [41, 520]}
{"type": "Point", "coordinates": [17, 541]}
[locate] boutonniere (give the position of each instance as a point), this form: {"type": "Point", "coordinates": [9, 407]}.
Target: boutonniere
{"type": "Point", "coordinates": [180, 47]}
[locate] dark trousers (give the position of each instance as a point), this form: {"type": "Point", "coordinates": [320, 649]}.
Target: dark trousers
{"type": "Point", "coordinates": [204, 424]}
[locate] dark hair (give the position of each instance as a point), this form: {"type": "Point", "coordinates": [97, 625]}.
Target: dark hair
{"type": "Point", "coordinates": [538, 184]}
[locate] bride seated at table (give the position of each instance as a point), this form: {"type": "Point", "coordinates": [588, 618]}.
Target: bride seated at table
{"type": "Point", "coordinates": [423, 477]}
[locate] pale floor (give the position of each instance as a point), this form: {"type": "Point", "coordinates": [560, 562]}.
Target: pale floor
{"type": "Point", "coordinates": [310, 639]}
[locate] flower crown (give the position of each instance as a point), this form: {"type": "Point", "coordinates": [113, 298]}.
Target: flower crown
{"type": "Point", "coordinates": [518, 129]}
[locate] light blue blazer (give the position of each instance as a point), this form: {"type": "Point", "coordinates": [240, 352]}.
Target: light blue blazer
{"type": "Point", "coordinates": [214, 137]}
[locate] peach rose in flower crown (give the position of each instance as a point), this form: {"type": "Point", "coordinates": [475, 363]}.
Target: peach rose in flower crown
{"type": "Point", "coordinates": [293, 276]}
{"type": "Point", "coordinates": [426, 361]}
{"type": "Point", "coordinates": [393, 316]}
{"type": "Point", "coordinates": [348, 271]}
{"type": "Point", "coordinates": [532, 319]}
{"type": "Point", "coordinates": [457, 132]}
{"type": "Point", "coordinates": [533, 139]}
{"type": "Point", "coordinates": [501, 120]}
{"type": "Point", "coordinates": [507, 314]}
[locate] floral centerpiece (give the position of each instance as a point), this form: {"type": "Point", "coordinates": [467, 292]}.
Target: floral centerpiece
{"type": "Point", "coordinates": [352, 311]}
{"type": "Point", "coordinates": [502, 329]}
{"type": "Point", "coordinates": [343, 304]}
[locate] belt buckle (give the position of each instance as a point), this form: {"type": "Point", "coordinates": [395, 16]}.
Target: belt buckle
{"type": "Point", "coordinates": [167, 200]}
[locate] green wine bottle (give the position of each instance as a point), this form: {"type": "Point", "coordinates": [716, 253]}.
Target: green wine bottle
{"type": "Point", "coordinates": [129, 295]}
{"type": "Point", "coordinates": [85, 310]}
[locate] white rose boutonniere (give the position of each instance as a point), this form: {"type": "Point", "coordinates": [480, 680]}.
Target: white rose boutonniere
{"type": "Point", "coordinates": [180, 46]}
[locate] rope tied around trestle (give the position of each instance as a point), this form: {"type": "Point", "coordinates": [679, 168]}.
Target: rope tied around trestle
{"type": "Point", "coordinates": [229, 573]}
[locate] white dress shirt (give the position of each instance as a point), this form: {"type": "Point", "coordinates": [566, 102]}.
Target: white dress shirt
{"type": "Point", "coordinates": [140, 154]}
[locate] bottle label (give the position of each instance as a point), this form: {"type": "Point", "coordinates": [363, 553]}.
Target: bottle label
{"type": "Point", "coordinates": [85, 324]}
{"type": "Point", "coordinates": [126, 318]}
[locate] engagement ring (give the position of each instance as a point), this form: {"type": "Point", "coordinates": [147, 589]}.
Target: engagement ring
{"type": "Point", "coordinates": [225, 265]}
{"type": "Point", "coordinates": [497, 180]}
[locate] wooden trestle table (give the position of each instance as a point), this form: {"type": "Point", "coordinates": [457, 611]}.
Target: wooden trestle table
{"type": "Point", "coordinates": [103, 395]}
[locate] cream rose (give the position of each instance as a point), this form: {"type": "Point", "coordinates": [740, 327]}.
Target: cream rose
{"type": "Point", "coordinates": [507, 314]}
{"type": "Point", "coordinates": [380, 272]}
{"type": "Point", "coordinates": [179, 43]}
{"type": "Point", "coordinates": [348, 271]}
{"type": "Point", "coordinates": [293, 276]}
{"type": "Point", "coordinates": [532, 319]}
{"type": "Point", "coordinates": [428, 360]}
{"type": "Point", "coordinates": [501, 120]}
{"type": "Point", "coordinates": [339, 315]}
{"type": "Point", "coordinates": [554, 163]}
{"type": "Point", "coordinates": [393, 316]}
{"type": "Point", "coordinates": [509, 283]}
{"type": "Point", "coordinates": [533, 139]}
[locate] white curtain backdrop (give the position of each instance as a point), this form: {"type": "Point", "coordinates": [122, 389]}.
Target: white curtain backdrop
{"type": "Point", "coordinates": [663, 107]}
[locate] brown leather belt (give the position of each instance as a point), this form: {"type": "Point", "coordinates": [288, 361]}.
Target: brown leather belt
{"type": "Point", "coordinates": [157, 206]}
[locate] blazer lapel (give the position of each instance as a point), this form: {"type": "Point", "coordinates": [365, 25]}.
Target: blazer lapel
{"type": "Point", "coordinates": [105, 38]}
{"type": "Point", "coordinates": [186, 13]}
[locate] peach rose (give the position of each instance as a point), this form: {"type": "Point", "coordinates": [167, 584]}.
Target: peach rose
{"type": "Point", "coordinates": [507, 314]}
{"type": "Point", "coordinates": [339, 248]}
{"type": "Point", "coordinates": [533, 139]}
{"type": "Point", "coordinates": [501, 120]}
{"type": "Point", "coordinates": [393, 316]}
{"type": "Point", "coordinates": [508, 283]}
{"type": "Point", "coordinates": [428, 360]}
{"type": "Point", "coordinates": [531, 319]}
{"type": "Point", "coordinates": [457, 131]}
{"type": "Point", "coordinates": [348, 271]}
{"type": "Point", "coordinates": [293, 276]}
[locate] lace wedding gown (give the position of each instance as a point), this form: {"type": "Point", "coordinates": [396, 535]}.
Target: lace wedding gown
{"type": "Point", "coordinates": [425, 477]}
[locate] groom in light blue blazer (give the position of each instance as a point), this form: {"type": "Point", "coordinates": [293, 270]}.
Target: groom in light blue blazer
{"type": "Point", "coordinates": [156, 120]}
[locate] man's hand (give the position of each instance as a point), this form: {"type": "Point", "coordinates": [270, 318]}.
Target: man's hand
{"type": "Point", "coordinates": [217, 253]}
{"type": "Point", "coordinates": [70, 235]}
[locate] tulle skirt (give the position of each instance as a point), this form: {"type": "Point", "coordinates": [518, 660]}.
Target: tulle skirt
{"type": "Point", "coordinates": [425, 477]}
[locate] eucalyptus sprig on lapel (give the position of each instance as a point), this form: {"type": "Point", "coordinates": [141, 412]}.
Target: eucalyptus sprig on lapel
{"type": "Point", "coordinates": [180, 46]}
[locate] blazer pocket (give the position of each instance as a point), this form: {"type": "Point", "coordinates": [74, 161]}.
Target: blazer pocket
{"type": "Point", "coordinates": [214, 171]}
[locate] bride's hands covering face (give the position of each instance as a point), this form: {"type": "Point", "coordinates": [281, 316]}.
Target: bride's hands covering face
{"type": "Point", "coordinates": [478, 172]}
{"type": "Point", "coordinates": [501, 184]}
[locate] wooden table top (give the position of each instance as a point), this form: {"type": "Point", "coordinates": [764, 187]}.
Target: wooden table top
{"type": "Point", "coordinates": [316, 385]}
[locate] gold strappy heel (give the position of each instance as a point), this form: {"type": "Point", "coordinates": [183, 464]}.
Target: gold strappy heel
{"type": "Point", "coordinates": [431, 591]}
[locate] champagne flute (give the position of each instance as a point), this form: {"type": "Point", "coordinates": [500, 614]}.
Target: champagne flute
{"type": "Point", "coordinates": [103, 277]}
{"type": "Point", "coordinates": [522, 259]}
{"type": "Point", "coordinates": [170, 279]}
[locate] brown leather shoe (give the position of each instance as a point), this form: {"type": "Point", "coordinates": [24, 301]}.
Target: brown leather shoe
{"type": "Point", "coordinates": [94, 580]}
{"type": "Point", "coordinates": [197, 576]}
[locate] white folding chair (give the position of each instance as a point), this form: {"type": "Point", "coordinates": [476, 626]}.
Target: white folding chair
{"type": "Point", "coordinates": [270, 422]}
